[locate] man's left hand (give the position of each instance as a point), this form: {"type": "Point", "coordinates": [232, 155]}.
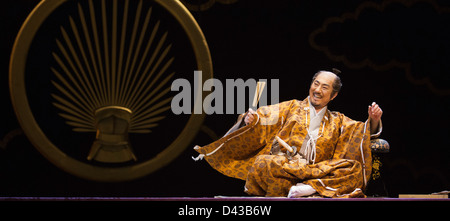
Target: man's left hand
{"type": "Point", "coordinates": [375, 113]}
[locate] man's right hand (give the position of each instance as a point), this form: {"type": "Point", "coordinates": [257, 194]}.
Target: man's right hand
{"type": "Point", "coordinates": [250, 116]}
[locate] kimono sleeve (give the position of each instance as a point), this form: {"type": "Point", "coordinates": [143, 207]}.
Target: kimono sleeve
{"type": "Point", "coordinates": [234, 153]}
{"type": "Point", "coordinates": [354, 144]}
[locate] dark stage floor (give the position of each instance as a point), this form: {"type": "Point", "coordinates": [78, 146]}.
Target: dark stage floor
{"type": "Point", "coordinates": [217, 198]}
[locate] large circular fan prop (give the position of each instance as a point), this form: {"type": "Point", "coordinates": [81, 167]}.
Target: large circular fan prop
{"type": "Point", "coordinates": [90, 83]}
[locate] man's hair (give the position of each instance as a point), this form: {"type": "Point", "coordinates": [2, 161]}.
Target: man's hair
{"type": "Point", "coordinates": [337, 84]}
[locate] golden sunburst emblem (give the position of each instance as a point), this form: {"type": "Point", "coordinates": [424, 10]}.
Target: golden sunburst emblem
{"type": "Point", "coordinates": [90, 84]}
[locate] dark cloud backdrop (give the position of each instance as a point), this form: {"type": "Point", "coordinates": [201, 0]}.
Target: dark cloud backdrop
{"type": "Point", "coordinates": [407, 34]}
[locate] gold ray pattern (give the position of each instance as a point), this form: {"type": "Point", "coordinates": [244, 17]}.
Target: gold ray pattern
{"type": "Point", "coordinates": [112, 56]}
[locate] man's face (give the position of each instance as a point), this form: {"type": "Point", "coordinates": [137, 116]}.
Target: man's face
{"type": "Point", "coordinates": [321, 90]}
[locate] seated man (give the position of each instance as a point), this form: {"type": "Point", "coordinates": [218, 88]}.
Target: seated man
{"type": "Point", "coordinates": [310, 150]}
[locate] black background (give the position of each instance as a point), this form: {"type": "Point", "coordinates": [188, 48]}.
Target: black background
{"type": "Point", "coordinates": [264, 39]}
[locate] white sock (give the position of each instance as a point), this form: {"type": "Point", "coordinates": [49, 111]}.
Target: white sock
{"type": "Point", "coordinates": [300, 190]}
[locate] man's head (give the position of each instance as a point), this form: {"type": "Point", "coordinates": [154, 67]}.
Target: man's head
{"type": "Point", "coordinates": [325, 86]}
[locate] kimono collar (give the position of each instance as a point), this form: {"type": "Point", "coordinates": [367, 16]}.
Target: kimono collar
{"type": "Point", "coordinates": [313, 111]}
{"type": "Point", "coordinates": [324, 112]}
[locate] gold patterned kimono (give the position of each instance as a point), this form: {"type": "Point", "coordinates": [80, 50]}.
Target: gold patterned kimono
{"type": "Point", "coordinates": [343, 160]}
